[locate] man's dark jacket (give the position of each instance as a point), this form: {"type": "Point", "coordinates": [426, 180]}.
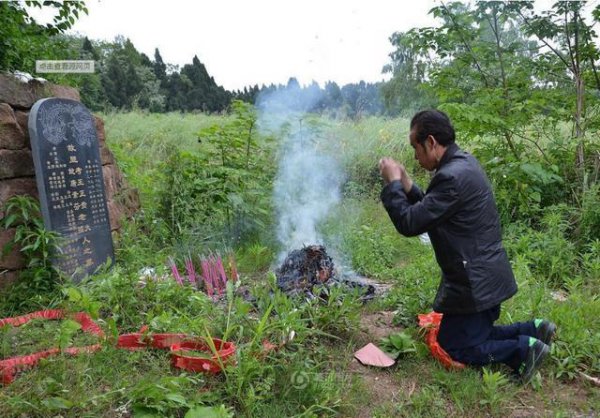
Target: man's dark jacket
{"type": "Point", "coordinates": [459, 213]}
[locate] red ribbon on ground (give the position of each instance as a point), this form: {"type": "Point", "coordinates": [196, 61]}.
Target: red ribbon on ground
{"type": "Point", "coordinates": [431, 321]}
{"type": "Point", "coordinates": [178, 344]}
{"type": "Point", "coordinates": [9, 367]}
{"type": "Point", "coordinates": [214, 364]}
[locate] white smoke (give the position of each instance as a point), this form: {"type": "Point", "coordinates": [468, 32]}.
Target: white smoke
{"type": "Point", "coordinates": [308, 182]}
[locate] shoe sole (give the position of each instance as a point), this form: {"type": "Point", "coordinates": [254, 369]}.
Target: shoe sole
{"type": "Point", "coordinates": [547, 337]}
{"type": "Point", "coordinates": [537, 361]}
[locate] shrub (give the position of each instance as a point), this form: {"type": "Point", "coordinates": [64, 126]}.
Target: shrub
{"type": "Point", "coordinates": [522, 186]}
{"type": "Point", "coordinates": [589, 216]}
{"type": "Point", "coordinates": [227, 183]}
{"type": "Point", "coordinates": [37, 284]}
{"type": "Point", "coordinates": [548, 251]}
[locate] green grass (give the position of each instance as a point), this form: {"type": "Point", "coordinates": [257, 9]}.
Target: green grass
{"type": "Point", "coordinates": [148, 133]}
{"type": "Point", "coordinates": [313, 374]}
{"type": "Point", "coordinates": [141, 143]}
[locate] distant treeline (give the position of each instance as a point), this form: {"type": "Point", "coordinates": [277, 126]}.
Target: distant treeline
{"type": "Point", "coordinates": [126, 79]}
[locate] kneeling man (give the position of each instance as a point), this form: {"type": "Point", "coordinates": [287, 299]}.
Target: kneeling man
{"type": "Point", "coordinates": [459, 213]}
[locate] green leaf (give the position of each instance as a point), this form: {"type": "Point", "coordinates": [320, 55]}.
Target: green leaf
{"type": "Point", "coordinates": [73, 294]}
{"type": "Point", "coordinates": [207, 412]}
{"type": "Point", "coordinates": [112, 329]}
{"type": "Point", "coordinates": [176, 397]}
{"type": "Point", "coordinates": [143, 412]}
{"type": "Point", "coordinates": [57, 403]}
{"type": "Point", "coordinates": [67, 330]}
{"type": "Point", "coordinates": [8, 221]}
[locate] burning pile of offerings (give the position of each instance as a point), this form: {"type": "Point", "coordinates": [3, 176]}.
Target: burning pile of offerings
{"type": "Point", "coordinates": [310, 270]}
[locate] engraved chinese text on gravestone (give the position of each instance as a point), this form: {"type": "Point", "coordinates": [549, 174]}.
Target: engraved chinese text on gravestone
{"type": "Point", "coordinates": [69, 179]}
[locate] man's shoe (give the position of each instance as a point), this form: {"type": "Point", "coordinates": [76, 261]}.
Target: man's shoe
{"type": "Point", "coordinates": [545, 330]}
{"type": "Point", "coordinates": [536, 354]}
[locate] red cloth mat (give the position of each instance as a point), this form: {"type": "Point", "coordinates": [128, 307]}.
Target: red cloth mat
{"type": "Point", "coordinates": [431, 322]}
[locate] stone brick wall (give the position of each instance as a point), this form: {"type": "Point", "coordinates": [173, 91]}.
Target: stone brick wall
{"type": "Point", "coordinates": [17, 174]}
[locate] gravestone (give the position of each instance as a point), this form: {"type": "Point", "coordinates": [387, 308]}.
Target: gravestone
{"type": "Point", "coordinates": [69, 178]}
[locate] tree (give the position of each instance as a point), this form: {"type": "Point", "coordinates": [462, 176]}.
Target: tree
{"type": "Point", "coordinates": [129, 80]}
{"type": "Point", "coordinates": [113, 81]}
{"type": "Point", "coordinates": [177, 87]}
{"type": "Point", "coordinates": [90, 85]}
{"type": "Point", "coordinates": [150, 95]}
{"type": "Point", "coordinates": [88, 51]}
{"type": "Point", "coordinates": [477, 62]}
{"type": "Point", "coordinates": [23, 40]}
{"type": "Point", "coordinates": [159, 68]}
{"type": "Point", "coordinates": [120, 78]}
{"type": "Point", "coordinates": [333, 96]}
{"type": "Point", "coordinates": [405, 92]}
{"type": "Point", "coordinates": [569, 43]}
{"type": "Point", "coordinates": [204, 94]}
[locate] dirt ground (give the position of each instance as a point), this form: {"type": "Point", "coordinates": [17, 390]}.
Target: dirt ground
{"type": "Point", "coordinates": [384, 386]}
{"type": "Point", "coordinates": [381, 383]}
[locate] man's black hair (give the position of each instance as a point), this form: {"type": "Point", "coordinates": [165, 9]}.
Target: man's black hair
{"type": "Point", "coordinates": [435, 123]}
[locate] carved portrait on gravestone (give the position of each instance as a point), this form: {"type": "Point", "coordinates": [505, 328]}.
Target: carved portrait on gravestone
{"type": "Point", "coordinates": [70, 184]}
{"type": "Point", "coordinates": [57, 118]}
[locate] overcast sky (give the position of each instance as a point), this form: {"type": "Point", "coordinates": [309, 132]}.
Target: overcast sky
{"type": "Point", "coordinates": [247, 42]}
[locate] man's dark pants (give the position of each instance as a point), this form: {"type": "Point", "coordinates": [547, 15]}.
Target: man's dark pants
{"type": "Point", "coordinates": [473, 339]}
